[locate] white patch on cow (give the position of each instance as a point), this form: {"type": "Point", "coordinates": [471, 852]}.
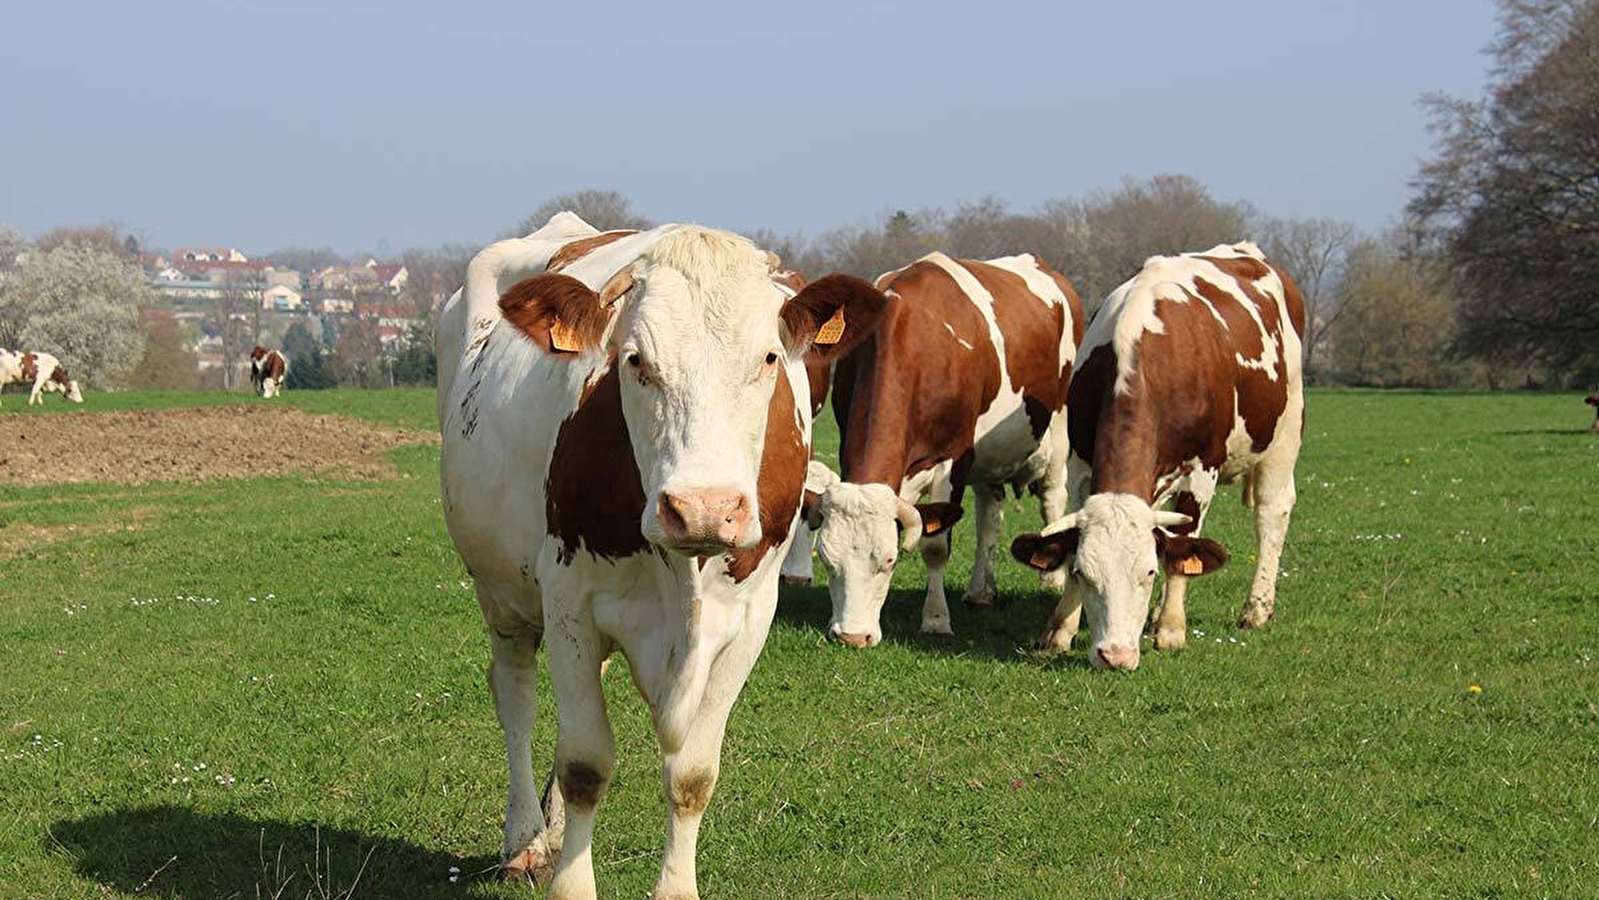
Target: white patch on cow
{"type": "Point", "coordinates": [1116, 568]}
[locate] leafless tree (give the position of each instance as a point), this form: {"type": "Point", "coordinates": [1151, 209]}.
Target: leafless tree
{"type": "Point", "coordinates": [1313, 252]}
{"type": "Point", "coordinates": [605, 210]}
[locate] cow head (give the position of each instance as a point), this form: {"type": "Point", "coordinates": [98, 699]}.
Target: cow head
{"type": "Point", "coordinates": [1118, 543]}
{"type": "Point", "coordinates": [73, 394]}
{"type": "Point", "coordinates": [699, 334]}
{"type": "Point", "coordinates": [860, 531]}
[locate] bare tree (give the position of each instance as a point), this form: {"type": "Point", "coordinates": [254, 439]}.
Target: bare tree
{"type": "Point", "coordinates": [1397, 321]}
{"type": "Point", "coordinates": [605, 210]}
{"type": "Point", "coordinates": [1313, 251]}
{"type": "Point", "coordinates": [236, 319]}
{"type": "Point", "coordinates": [105, 238]}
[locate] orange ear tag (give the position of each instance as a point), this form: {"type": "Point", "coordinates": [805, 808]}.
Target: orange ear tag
{"type": "Point", "coordinates": [564, 338]}
{"type": "Point", "coordinates": [832, 329]}
{"type": "Point", "coordinates": [1040, 560]}
{"type": "Point", "coordinates": [1191, 566]}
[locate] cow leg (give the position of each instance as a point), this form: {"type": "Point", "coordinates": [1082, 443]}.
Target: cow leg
{"type": "Point", "coordinates": [1169, 620]}
{"type": "Point", "coordinates": [935, 609]}
{"type": "Point", "coordinates": [585, 751]}
{"type": "Point", "coordinates": [990, 518]}
{"type": "Point", "coordinates": [1275, 496]}
{"type": "Point", "coordinates": [797, 566]}
{"type": "Point", "coordinates": [689, 776]}
{"type": "Point", "coordinates": [513, 682]}
{"type": "Point", "coordinates": [37, 394]}
{"type": "Point", "coordinates": [1063, 622]}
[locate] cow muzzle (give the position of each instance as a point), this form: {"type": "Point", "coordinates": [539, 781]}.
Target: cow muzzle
{"type": "Point", "coordinates": [709, 521]}
{"type": "Point", "coordinates": [1111, 656]}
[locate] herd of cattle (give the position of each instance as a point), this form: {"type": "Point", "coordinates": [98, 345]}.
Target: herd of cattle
{"type": "Point", "coordinates": [626, 465]}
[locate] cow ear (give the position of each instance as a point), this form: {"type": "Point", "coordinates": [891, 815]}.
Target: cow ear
{"type": "Point", "coordinates": [1044, 553]}
{"type": "Point", "coordinates": [560, 314]}
{"type": "Point", "coordinates": [831, 315]}
{"type": "Point", "coordinates": [1187, 555]}
{"type": "Point", "coordinates": [938, 518]}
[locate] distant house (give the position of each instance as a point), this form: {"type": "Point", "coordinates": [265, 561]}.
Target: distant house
{"type": "Point", "coordinates": [285, 277]}
{"type": "Point", "coordinates": [335, 305]}
{"type": "Point", "coordinates": [281, 297]}
{"type": "Point", "coordinates": [209, 254]}
{"type": "Point", "coordinates": [392, 277]}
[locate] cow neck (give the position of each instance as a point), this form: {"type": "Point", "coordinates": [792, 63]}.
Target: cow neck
{"type": "Point", "coordinates": [1125, 444]}
{"type": "Point", "coordinates": [877, 441]}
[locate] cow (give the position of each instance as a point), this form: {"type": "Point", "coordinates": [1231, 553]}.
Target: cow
{"type": "Point", "coordinates": [963, 383]}
{"type": "Point", "coordinates": [44, 371]}
{"type": "Point", "coordinates": [1593, 401]}
{"type": "Point", "coordinates": [268, 369]}
{"type": "Point", "coordinates": [624, 451]}
{"type": "Point", "coordinates": [1189, 377]}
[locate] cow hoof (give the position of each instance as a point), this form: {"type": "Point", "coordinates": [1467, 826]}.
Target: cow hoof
{"type": "Point", "coordinates": [937, 626]}
{"type": "Point", "coordinates": [534, 862]}
{"type": "Point", "coordinates": [1254, 617]}
{"type": "Point", "coordinates": [795, 580]}
{"type": "Point", "coordinates": [1171, 639]}
{"type": "Point", "coordinates": [978, 602]}
{"type": "Point", "coordinates": [1049, 643]}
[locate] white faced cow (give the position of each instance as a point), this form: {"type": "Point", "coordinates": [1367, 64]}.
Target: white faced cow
{"type": "Point", "coordinates": [268, 369]}
{"type": "Point", "coordinates": [1189, 377]}
{"type": "Point", "coordinates": [963, 383]}
{"type": "Point", "coordinates": [43, 371]}
{"type": "Point", "coordinates": [625, 440]}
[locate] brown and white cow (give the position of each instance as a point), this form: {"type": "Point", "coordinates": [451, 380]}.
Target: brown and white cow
{"type": "Point", "coordinates": [268, 369]}
{"type": "Point", "coordinates": [624, 448]}
{"type": "Point", "coordinates": [962, 384]}
{"type": "Point", "coordinates": [43, 371]}
{"type": "Point", "coordinates": [1593, 401]}
{"type": "Point", "coordinates": [1189, 377]}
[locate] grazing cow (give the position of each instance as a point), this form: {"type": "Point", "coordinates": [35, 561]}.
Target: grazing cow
{"type": "Point", "coordinates": [1593, 401]}
{"type": "Point", "coordinates": [46, 373]}
{"type": "Point", "coordinates": [623, 459]}
{"type": "Point", "coordinates": [268, 368]}
{"type": "Point", "coordinates": [1189, 377]}
{"type": "Point", "coordinates": [963, 383]}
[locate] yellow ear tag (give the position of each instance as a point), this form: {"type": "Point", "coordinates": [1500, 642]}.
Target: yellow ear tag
{"type": "Point", "coordinates": [1040, 560]}
{"type": "Point", "coordinates": [1191, 566]}
{"type": "Point", "coordinates": [832, 329]}
{"type": "Point", "coordinates": [564, 338]}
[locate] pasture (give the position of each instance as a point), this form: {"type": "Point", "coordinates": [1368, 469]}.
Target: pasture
{"type": "Point", "coordinates": [273, 687]}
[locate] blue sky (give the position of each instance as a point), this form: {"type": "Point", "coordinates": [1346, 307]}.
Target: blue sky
{"type": "Point", "coordinates": [366, 125]}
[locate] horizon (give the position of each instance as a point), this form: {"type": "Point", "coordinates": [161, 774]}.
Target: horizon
{"type": "Point", "coordinates": [426, 142]}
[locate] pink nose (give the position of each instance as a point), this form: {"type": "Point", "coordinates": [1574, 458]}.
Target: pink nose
{"type": "Point", "coordinates": [704, 518]}
{"type": "Point", "coordinates": [858, 641]}
{"type": "Point", "coordinates": [1118, 657]}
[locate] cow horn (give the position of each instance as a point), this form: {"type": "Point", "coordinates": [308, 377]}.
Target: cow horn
{"type": "Point", "coordinates": [1165, 518]}
{"type": "Point", "coordinates": [910, 523]}
{"type": "Point", "coordinates": [620, 283]}
{"type": "Point", "coordinates": [1067, 523]}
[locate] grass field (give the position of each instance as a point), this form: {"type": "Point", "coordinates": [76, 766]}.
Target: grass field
{"type": "Point", "coordinates": [274, 688]}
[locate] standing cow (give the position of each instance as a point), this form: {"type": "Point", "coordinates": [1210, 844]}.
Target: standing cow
{"type": "Point", "coordinates": [45, 372]}
{"type": "Point", "coordinates": [268, 369]}
{"type": "Point", "coordinates": [963, 383]}
{"type": "Point", "coordinates": [1189, 377]}
{"type": "Point", "coordinates": [1593, 401]}
{"type": "Point", "coordinates": [625, 442]}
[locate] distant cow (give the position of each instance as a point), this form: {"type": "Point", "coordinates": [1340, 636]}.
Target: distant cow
{"type": "Point", "coordinates": [1593, 400]}
{"type": "Point", "coordinates": [625, 443]}
{"type": "Point", "coordinates": [797, 567]}
{"type": "Point", "coordinates": [963, 383]}
{"type": "Point", "coordinates": [43, 371]}
{"type": "Point", "coordinates": [268, 368]}
{"type": "Point", "coordinates": [1189, 377]}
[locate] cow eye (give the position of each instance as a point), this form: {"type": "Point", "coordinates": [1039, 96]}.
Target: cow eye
{"type": "Point", "coordinates": [633, 359]}
{"type": "Point", "coordinates": [771, 357]}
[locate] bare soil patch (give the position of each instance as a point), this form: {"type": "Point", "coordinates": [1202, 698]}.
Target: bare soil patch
{"type": "Point", "coordinates": [194, 445]}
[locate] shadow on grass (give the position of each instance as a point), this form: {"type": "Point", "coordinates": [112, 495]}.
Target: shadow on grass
{"type": "Point", "coordinates": [175, 852]}
{"type": "Point", "coordinates": [1004, 632]}
{"type": "Point", "coordinates": [1563, 432]}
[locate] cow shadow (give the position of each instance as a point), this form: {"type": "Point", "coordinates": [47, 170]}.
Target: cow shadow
{"type": "Point", "coordinates": [1541, 432]}
{"type": "Point", "coordinates": [176, 852]}
{"type": "Point", "coordinates": [1005, 632]}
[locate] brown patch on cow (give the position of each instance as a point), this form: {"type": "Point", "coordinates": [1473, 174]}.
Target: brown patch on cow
{"type": "Point", "coordinates": [576, 250]}
{"type": "Point", "coordinates": [593, 498]}
{"type": "Point", "coordinates": [276, 365]}
{"type": "Point", "coordinates": [548, 308]}
{"type": "Point", "coordinates": [60, 376]}
{"type": "Point", "coordinates": [691, 793]}
{"type": "Point", "coordinates": [821, 300]}
{"type": "Point", "coordinates": [257, 352]}
{"type": "Point", "coordinates": [779, 483]}
{"type": "Point", "coordinates": [910, 396]}
{"type": "Point", "coordinates": [30, 366]}
{"type": "Point", "coordinates": [581, 785]}
{"type": "Point", "coordinates": [1031, 330]}
{"type": "Point", "coordinates": [1240, 268]}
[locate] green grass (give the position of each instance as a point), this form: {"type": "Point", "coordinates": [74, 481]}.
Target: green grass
{"type": "Point", "coordinates": [332, 666]}
{"type": "Point", "coordinates": [399, 408]}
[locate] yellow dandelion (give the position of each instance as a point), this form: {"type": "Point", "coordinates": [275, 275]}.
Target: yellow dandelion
{"type": "Point", "coordinates": [1474, 689]}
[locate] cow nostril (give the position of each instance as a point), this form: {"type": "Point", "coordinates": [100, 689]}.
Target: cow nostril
{"type": "Point", "coordinates": [670, 511]}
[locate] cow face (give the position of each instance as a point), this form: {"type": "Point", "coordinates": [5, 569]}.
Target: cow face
{"type": "Point", "coordinates": [699, 335]}
{"type": "Point", "coordinates": [1119, 544]}
{"type": "Point", "coordinates": [73, 394]}
{"type": "Point", "coordinates": [860, 531]}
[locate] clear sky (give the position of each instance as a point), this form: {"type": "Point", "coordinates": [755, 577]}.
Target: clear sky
{"type": "Point", "coordinates": [386, 125]}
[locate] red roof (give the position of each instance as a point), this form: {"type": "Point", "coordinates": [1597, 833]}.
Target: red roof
{"type": "Point", "coordinates": [387, 272]}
